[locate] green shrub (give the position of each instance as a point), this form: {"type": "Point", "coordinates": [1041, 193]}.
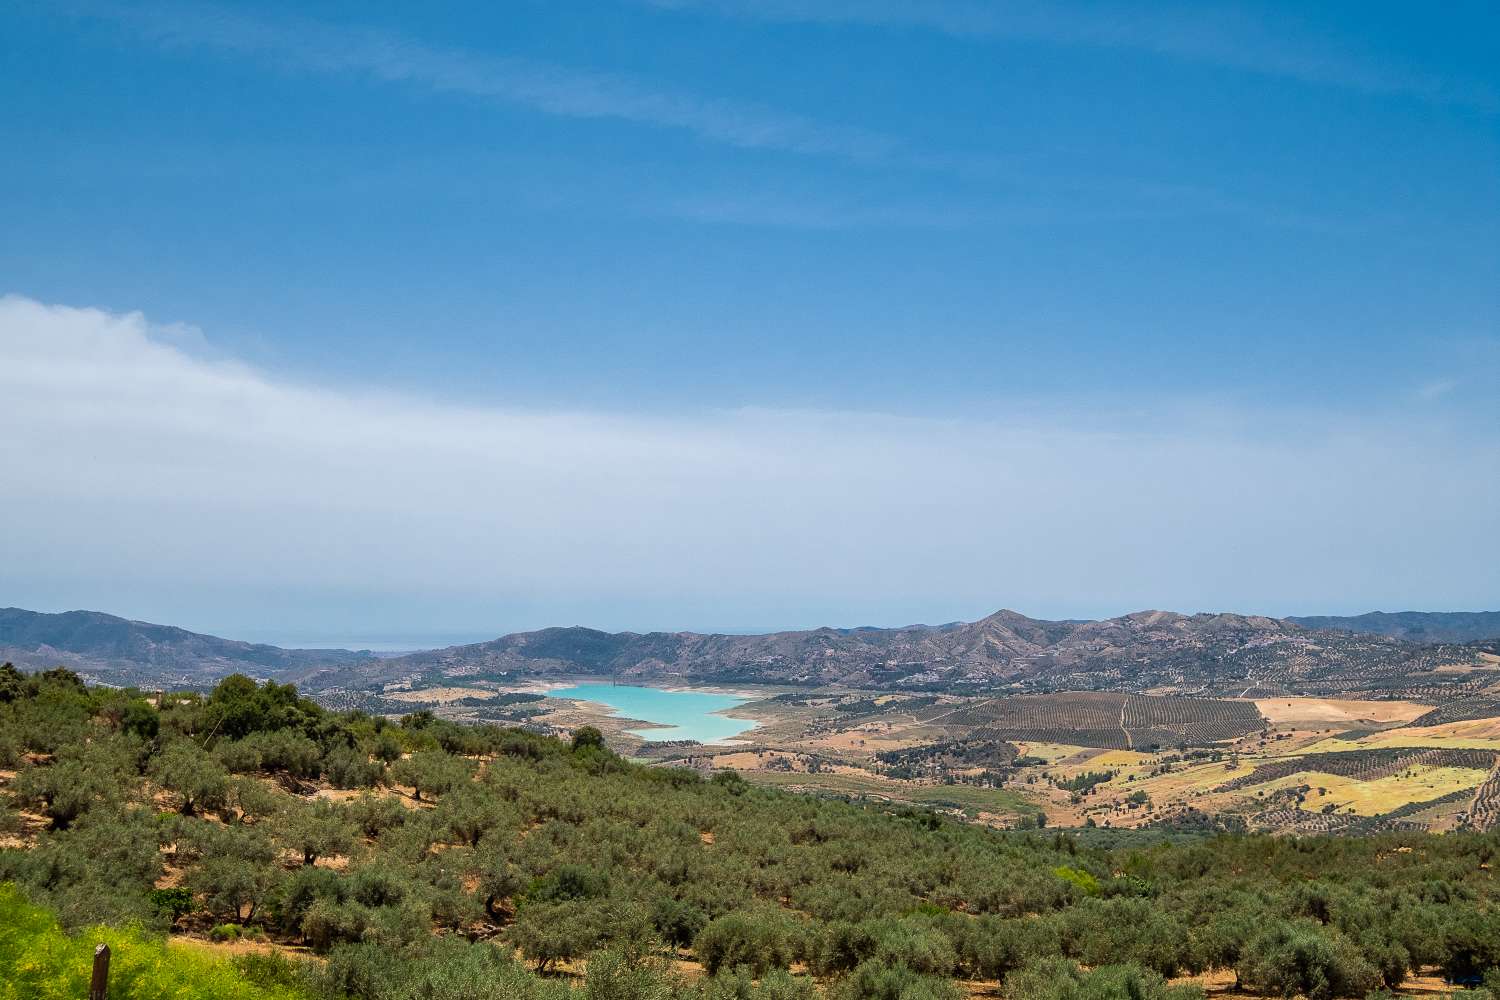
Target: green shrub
{"type": "Point", "coordinates": [239, 756]}
{"type": "Point", "coordinates": [172, 903]}
{"type": "Point", "coordinates": [758, 940]}
{"type": "Point", "coordinates": [430, 772]}
{"type": "Point", "coordinates": [100, 870]}
{"type": "Point", "coordinates": [676, 921]}
{"type": "Point", "coordinates": [875, 980]}
{"type": "Point", "coordinates": [38, 960]}
{"type": "Point", "coordinates": [1086, 883]}
{"type": "Point", "coordinates": [995, 947]}
{"type": "Point", "coordinates": [348, 768]}
{"type": "Point", "coordinates": [284, 750]}
{"type": "Point", "coordinates": [913, 943]}
{"type": "Point", "coordinates": [774, 985]}
{"type": "Point", "coordinates": [612, 975]}
{"type": "Point", "coordinates": [374, 814]}
{"type": "Point", "coordinates": [1291, 959]}
{"type": "Point", "coordinates": [442, 969]}
{"type": "Point", "coordinates": [1059, 979]}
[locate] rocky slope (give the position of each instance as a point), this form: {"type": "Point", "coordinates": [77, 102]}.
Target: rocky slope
{"type": "Point", "coordinates": [1204, 653]}
{"type": "Point", "coordinates": [118, 651]}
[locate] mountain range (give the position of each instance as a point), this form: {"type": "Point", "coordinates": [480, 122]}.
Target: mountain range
{"type": "Point", "coordinates": [1414, 626]}
{"type": "Point", "coordinates": [1202, 653]}
{"type": "Point", "coordinates": [1152, 650]}
{"type": "Point", "coordinates": [119, 651]}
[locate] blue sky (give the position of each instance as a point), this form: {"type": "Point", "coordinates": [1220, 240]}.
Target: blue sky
{"type": "Point", "coordinates": [1250, 226]}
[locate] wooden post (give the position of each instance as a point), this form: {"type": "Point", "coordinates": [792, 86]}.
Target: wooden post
{"type": "Point", "coordinates": [99, 985]}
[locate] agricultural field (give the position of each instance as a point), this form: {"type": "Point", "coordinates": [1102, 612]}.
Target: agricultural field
{"type": "Point", "coordinates": [1108, 720]}
{"type": "Point", "coordinates": [1383, 795]}
{"type": "Point", "coordinates": [1292, 780]}
{"type": "Point", "coordinates": [1091, 758]}
{"type": "Point", "coordinates": [969, 801]}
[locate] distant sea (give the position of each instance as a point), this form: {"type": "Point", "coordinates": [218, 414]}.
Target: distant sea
{"type": "Point", "coordinates": [386, 645]}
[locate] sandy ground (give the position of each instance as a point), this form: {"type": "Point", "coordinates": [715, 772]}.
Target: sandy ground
{"type": "Point", "coordinates": [1312, 711]}
{"type": "Point", "coordinates": [1477, 734]}
{"type": "Point", "coordinates": [1474, 729]}
{"type": "Point", "coordinates": [441, 695]}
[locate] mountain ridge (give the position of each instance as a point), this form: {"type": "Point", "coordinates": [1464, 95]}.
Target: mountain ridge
{"type": "Point", "coordinates": [123, 651]}
{"type": "Point", "coordinates": [1223, 653]}
{"type": "Point", "coordinates": [1413, 626]}
{"type": "Point", "coordinates": [1209, 652]}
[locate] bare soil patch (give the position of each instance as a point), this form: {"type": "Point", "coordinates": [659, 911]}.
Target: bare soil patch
{"type": "Point", "coordinates": [1292, 711]}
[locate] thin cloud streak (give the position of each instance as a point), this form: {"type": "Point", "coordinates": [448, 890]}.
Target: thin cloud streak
{"type": "Point", "coordinates": [311, 46]}
{"type": "Point", "coordinates": [306, 45]}
{"type": "Point", "coordinates": [1226, 37]}
{"type": "Point", "coordinates": [140, 467]}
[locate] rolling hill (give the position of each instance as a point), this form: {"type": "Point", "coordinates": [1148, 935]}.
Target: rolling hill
{"type": "Point", "coordinates": [119, 651]}
{"type": "Point", "coordinates": [1204, 653]}
{"type": "Point", "coordinates": [1414, 626]}
{"type": "Point", "coordinates": [1217, 654]}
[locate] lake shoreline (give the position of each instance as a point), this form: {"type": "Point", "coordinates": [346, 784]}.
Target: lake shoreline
{"type": "Point", "coordinates": [548, 686]}
{"type": "Point", "coordinates": [666, 714]}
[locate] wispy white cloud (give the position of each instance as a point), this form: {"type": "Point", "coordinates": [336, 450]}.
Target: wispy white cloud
{"type": "Point", "coordinates": [1227, 36]}
{"type": "Point", "coordinates": [133, 465]}
{"type": "Point", "coordinates": [1041, 192]}
{"type": "Point", "coordinates": [308, 45]}
{"type": "Point", "coordinates": [1436, 388]}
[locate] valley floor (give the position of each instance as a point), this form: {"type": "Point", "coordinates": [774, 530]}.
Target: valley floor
{"type": "Point", "coordinates": [1064, 760]}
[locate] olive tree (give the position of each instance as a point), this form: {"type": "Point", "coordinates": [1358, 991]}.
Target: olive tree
{"type": "Point", "coordinates": [197, 780]}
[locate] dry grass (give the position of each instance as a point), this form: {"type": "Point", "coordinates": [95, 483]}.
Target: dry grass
{"type": "Point", "coordinates": [1052, 753]}
{"type": "Point", "coordinates": [441, 695]}
{"type": "Point", "coordinates": [1372, 798]}
{"type": "Point", "coordinates": [1475, 734]}
{"type": "Point", "coordinates": [1305, 712]}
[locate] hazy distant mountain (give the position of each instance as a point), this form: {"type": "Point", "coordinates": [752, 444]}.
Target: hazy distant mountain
{"type": "Point", "coordinates": [1219, 653]}
{"type": "Point", "coordinates": [119, 651]}
{"type": "Point", "coordinates": [1204, 653]}
{"type": "Point", "coordinates": [1414, 626]}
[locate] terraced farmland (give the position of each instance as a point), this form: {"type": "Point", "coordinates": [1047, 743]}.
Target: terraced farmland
{"type": "Point", "coordinates": [1300, 821]}
{"type": "Point", "coordinates": [1197, 720]}
{"type": "Point", "coordinates": [1362, 765]}
{"type": "Point", "coordinates": [1107, 720]}
{"type": "Point", "coordinates": [1459, 711]}
{"type": "Point", "coordinates": [1404, 818]}
{"type": "Point", "coordinates": [1484, 812]}
{"type": "Point", "coordinates": [1414, 808]}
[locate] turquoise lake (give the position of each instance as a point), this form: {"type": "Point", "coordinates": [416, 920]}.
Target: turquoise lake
{"type": "Point", "coordinates": [686, 715]}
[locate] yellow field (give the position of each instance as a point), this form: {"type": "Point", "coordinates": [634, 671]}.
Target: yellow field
{"type": "Point", "coordinates": [1199, 779]}
{"type": "Point", "coordinates": [1119, 758]}
{"type": "Point", "coordinates": [1372, 798]}
{"type": "Point", "coordinates": [1478, 735]}
{"type": "Point", "coordinates": [1049, 752]}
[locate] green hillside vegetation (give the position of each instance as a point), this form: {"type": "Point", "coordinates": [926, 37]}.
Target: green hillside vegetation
{"type": "Point", "coordinates": [432, 860]}
{"type": "Point", "coordinates": [38, 959]}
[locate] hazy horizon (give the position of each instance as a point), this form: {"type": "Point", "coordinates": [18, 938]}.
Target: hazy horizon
{"type": "Point", "coordinates": [397, 642]}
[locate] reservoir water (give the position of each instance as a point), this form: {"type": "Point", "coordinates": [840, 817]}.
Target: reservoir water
{"type": "Point", "coordinates": [685, 715]}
